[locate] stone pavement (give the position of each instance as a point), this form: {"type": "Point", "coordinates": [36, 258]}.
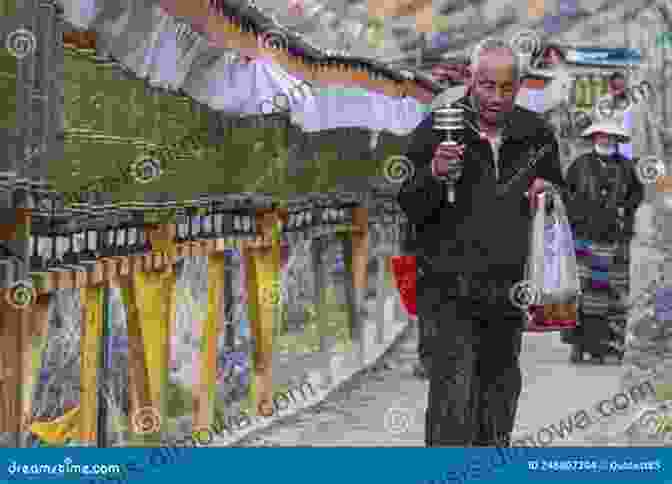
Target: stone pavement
{"type": "Point", "coordinates": [355, 415]}
{"type": "Point", "coordinates": [327, 372]}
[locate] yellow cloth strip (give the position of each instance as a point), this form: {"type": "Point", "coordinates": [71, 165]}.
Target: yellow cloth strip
{"type": "Point", "coordinates": [155, 308]}
{"type": "Point", "coordinates": [91, 339]}
{"type": "Point", "coordinates": [60, 430]}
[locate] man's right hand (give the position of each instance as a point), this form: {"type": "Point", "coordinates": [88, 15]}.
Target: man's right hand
{"type": "Point", "coordinates": [447, 161]}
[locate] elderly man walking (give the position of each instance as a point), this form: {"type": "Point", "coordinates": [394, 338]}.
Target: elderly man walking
{"type": "Point", "coordinates": [472, 251]}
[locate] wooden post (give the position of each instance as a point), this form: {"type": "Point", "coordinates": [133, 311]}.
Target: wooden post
{"type": "Point", "coordinates": [381, 299]}
{"type": "Point", "coordinates": [204, 396]}
{"type": "Point", "coordinates": [22, 337]}
{"type": "Point", "coordinates": [319, 296]}
{"type": "Point", "coordinates": [356, 251]}
{"type": "Point", "coordinates": [34, 333]}
{"type": "Point", "coordinates": [263, 267]}
{"type": "Point", "coordinates": [139, 393]}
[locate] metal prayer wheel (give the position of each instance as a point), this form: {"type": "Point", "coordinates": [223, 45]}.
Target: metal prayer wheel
{"type": "Point", "coordinates": [207, 227]}
{"type": "Point", "coordinates": [7, 180]}
{"type": "Point", "coordinates": [192, 225]}
{"type": "Point", "coordinates": [112, 249]}
{"type": "Point", "coordinates": [121, 236]}
{"type": "Point", "coordinates": [450, 120]}
{"type": "Point", "coordinates": [181, 224]}
{"type": "Point", "coordinates": [132, 222]}
{"type": "Point", "coordinates": [309, 220]}
{"type": "Point", "coordinates": [70, 256]}
{"type": "Point", "coordinates": [290, 228]}
{"type": "Point", "coordinates": [59, 242]}
{"type": "Point", "coordinates": [250, 225]}
{"type": "Point", "coordinates": [218, 221]}
{"type": "Point", "coordinates": [237, 225]}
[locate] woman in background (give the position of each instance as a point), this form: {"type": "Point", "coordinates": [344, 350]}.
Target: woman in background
{"type": "Point", "coordinates": [604, 193]}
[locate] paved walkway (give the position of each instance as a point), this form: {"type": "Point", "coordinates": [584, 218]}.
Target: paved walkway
{"type": "Point", "coordinates": [355, 415]}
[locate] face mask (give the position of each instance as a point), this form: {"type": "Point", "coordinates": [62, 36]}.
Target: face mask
{"type": "Point", "coordinates": [605, 150]}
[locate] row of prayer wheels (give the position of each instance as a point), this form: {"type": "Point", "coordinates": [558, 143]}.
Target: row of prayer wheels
{"type": "Point", "coordinates": [70, 238]}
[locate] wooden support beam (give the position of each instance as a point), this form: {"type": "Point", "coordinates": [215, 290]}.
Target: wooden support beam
{"type": "Point", "coordinates": [34, 334]}
{"type": "Point", "coordinates": [204, 396]}
{"type": "Point", "coordinates": [11, 369]}
{"type": "Point", "coordinates": [138, 375]}
{"type": "Point", "coordinates": [22, 337]}
{"type": "Point", "coordinates": [359, 253]}
{"type": "Point", "coordinates": [263, 269]}
{"type": "Point", "coordinates": [360, 247]}
{"type": "Point", "coordinates": [381, 299]}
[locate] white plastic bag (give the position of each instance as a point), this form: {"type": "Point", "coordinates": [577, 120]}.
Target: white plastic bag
{"type": "Point", "coordinates": [552, 267]}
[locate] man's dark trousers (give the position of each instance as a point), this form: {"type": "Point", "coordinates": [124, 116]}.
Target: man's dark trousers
{"type": "Point", "coordinates": [475, 377]}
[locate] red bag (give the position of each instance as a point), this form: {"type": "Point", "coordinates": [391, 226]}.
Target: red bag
{"type": "Point", "coordinates": [551, 317]}
{"type": "Point", "coordinates": [405, 278]}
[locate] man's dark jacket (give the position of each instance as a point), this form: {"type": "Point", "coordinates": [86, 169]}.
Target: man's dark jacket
{"type": "Point", "coordinates": [485, 233]}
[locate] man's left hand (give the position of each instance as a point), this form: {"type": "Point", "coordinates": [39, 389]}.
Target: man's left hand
{"type": "Point", "coordinates": [538, 186]}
